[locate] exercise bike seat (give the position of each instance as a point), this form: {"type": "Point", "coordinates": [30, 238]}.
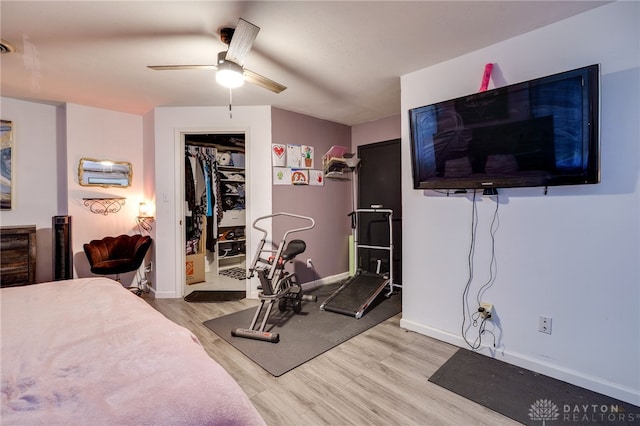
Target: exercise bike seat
{"type": "Point", "coordinates": [294, 248]}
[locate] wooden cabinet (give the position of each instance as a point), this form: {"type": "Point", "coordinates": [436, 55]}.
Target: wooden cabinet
{"type": "Point", "coordinates": [17, 255]}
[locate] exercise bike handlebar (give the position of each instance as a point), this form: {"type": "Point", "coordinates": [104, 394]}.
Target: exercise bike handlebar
{"type": "Point", "coordinates": [290, 231]}
{"type": "Point", "coordinates": [275, 253]}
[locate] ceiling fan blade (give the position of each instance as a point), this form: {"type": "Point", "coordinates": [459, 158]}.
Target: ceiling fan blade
{"type": "Point", "coordinates": [181, 67]}
{"type": "Point", "coordinates": [262, 81]}
{"type": "Point", "coordinates": [243, 36]}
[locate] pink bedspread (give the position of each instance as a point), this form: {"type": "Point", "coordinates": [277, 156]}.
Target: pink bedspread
{"type": "Point", "coordinates": [89, 352]}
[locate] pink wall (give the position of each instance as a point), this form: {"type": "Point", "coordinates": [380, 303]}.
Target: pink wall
{"type": "Point", "coordinates": [327, 243]}
{"type": "Point", "coordinates": [381, 130]}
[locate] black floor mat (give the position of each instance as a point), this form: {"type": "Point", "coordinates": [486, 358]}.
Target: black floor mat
{"type": "Point", "coordinates": [527, 397]}
{"type": "Point", "coordinates": [202, 296]}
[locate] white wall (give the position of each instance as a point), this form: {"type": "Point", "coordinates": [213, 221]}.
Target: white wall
{"type": "Point", "coordinates": [571, 255]}
{"type": "Point", "coordinates": [102, 134]}
{"type": "Point", "coordinates": [37, 185]}
{"type": "Point", "coordinates": [169, 123]}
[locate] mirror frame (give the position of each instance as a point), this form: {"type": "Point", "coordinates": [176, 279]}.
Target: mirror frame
{"type": "Point", "coordinates": [104, 176]}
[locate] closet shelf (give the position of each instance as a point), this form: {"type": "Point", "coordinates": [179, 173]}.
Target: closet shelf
{"type": "Point", "coordinates": [232, 256]}
{"type": "Point", "coordinates": [239, 240]}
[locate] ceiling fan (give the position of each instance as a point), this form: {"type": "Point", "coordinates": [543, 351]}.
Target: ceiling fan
{"type": "Point", "coordinates": [230, 71]}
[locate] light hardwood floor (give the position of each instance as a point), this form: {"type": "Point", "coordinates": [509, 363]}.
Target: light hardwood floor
{"type": "Point", "coordinates": [377, 378]}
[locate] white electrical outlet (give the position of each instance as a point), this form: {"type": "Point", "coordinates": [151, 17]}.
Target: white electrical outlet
{"type": "Point", "coordinates": [486, 310]}
{"type": "Point", "coordinates": [309, 264]}
{"type": "Point", "coordinates": [544, 324]}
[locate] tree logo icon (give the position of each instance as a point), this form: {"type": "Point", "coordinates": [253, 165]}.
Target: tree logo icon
{"type": "Point", "coordinates": [544, 409]}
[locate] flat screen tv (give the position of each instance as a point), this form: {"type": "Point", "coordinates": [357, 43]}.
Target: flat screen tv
{"type": "Point", "coordinates": [541, 132]}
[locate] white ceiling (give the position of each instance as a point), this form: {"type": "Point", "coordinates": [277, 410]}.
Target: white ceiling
{"type": "Point", "coordinates": [340, 60]}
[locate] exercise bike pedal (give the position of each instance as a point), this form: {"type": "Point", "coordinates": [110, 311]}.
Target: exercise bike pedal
{"type": "Point", "coordinates": [309, 297]}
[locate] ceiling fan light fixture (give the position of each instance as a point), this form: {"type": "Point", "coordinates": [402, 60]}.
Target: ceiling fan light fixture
{"type": "Point", "coordinates": [229, 75]}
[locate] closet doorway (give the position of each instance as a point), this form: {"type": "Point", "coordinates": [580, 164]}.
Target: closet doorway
{"type": "Point", "coordinates": [214, 212]}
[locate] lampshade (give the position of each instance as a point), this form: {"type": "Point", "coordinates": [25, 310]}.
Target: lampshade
{"type": "Point", "coordinates": [229, 75]}
{"type": "Point", "coordinates": [144, 210]}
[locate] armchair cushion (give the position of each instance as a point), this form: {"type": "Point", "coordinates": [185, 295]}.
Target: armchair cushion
{"type": "Point", "coordinates": [116, 255]}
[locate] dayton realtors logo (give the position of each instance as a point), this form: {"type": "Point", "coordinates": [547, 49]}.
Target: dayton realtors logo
{"type": "Point", "coordinates": [545, 410]}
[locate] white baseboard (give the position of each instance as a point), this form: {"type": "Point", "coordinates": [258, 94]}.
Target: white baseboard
{"type": "Point", "coordinates": [164, 294]}
{"type": "Point", "coordinates": [596, 384]}
{"type": "Point", "coordinates": [324, 281]}
{"type": "Point", "coordinates": [306, 287]}
{"type": "Point", "coordinates": [254, 293]}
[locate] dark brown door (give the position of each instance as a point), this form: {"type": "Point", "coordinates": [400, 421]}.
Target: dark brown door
{"type": "Point", "coordinates": [379, 183]}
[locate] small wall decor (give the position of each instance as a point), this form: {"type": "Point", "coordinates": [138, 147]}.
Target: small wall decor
{"type": "Point", "coordinates": [278, 155]}
{"type": "Point", "coordinates": [293, 165]}
{"type": "Point", "coordinates": [6, 154]}
{"type": "Point", "coordinates": [281, 176]}
{"type": "Point", "coordinates": [307, 156]}
{"type": "Point", "coordinates": [316, 178]}
{"type": "Point", "coordinates": [294, 156]}
{"type": "Point", "coordinates": [299, 177]}
{"type": "Point", "coordinates": [104, 205]}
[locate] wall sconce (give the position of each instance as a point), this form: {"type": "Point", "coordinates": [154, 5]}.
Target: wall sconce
{"type": "Point", "coordinates": [145, 216]}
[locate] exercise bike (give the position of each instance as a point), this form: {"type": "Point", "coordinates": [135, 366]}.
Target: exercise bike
{"type": "Point", "coordinates": [276, 284]}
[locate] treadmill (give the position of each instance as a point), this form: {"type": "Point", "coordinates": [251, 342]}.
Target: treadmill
{"type": "Point", "coordinates": [357, 293]}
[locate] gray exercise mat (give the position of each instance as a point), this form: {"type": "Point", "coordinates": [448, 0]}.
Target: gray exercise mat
{"type": "Point", "coordinates": [302, 336]}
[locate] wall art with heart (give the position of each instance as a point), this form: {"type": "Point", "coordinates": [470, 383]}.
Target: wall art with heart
{"type": "Point", "coordinates": [278, 155]}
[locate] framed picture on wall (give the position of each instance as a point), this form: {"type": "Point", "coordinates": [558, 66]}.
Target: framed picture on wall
{"type": "Point", "coordinates": [6, 154]}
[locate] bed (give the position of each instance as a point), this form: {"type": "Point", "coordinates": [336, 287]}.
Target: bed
{"type": "Point", "coordinates": [88, 351]}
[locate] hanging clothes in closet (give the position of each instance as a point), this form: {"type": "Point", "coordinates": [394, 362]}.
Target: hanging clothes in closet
{"type": "Point", "coordinates": [202, 197]}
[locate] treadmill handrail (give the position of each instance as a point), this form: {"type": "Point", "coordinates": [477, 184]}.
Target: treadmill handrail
{"type": "Point", "coordinates": [357, 246]}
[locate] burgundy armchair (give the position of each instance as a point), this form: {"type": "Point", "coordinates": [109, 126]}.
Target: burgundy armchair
{"type": "Point", "coordinates": [117, 255]}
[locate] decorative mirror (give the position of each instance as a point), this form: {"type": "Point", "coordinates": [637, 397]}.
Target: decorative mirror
{"type": "Point", "coordinates": [104, 173]}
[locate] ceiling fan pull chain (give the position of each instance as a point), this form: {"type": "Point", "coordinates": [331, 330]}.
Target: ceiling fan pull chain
{"type": "Point", "coordinates": [230, 99]}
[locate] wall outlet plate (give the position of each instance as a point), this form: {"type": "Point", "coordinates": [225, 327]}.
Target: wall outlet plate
{"type": "Point", "coordinates": [487, 310]}
{"type": "Point", "coordinates": [544, 324]}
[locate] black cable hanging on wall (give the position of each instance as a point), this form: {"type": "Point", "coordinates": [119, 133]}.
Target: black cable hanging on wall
{"type": "Point", "coordinates": [476, 315]}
